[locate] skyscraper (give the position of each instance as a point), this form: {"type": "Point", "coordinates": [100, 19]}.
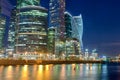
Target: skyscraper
{"type": "Point", "coordinates": [11, 32]}
{"type": "Point", "coordinates": [68, 25]}
{"type": "Point", "coordinates": [2, 31]}
{"type": "Point", "coordinates": [77, 29]}
{"type": "Point", "coordinates": [56, 24]}
{"type": "Point", "coordinates": [56, 15]}
{"type": "Point", "coordinates": [31, 28]}
{"type": "Point", "coordinates": [69, 49]}
{"type": "Point", "coordinates": [74, 29]}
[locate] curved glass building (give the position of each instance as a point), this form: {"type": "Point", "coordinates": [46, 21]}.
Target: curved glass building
{"type": "Point", "coordinates": [73, 29]}
{"type": "Point", "coordinates": [31, 28]}
{"type": "Point", "coordinates": [78, 29]}
{"type": "Point", "coordinates": [68, 24]}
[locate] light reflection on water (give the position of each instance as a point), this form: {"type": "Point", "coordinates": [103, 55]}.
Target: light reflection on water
{"type": "Point", "coordinates": [24, 73]}
{"type": "Point", "coordinates": [56, 72]}
{"type": "Point", "coordinates": [39, 74]}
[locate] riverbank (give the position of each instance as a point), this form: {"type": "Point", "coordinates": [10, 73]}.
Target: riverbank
{"type": "Point", "coordinates": [32, 62]}
{"type": "Point", "coordinates": [38, 62]}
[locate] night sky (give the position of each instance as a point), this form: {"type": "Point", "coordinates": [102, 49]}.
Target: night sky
{"type": "Point", "coordinates": [101, 20]}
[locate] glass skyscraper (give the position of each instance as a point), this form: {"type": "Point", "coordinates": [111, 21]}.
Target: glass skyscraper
{"type": "Point", "coordinates": [77, 29]}
{"type": "Point", "coordinates": [74, 28]}
{"type": "Point", "coordinates": [2, 31]}
{"type": "Point", "coordinates": [56, 15]}
{"type": "Point", "coordinates": [69, 48]}
{"type": "Point", "coordinates": [68, 25]}
{"type": "Point", "coordinates": [11, 32]}
{"type": "Point", "coordinates": [56, 25]}
{"type": "Point", "coordinates": [30, 28]}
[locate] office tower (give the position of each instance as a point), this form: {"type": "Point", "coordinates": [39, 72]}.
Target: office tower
{"type": "Point", "coordinates": [31, 28]}
{"type": "Point", "coordinates": [57, 25]}
{"type": "Point", "coordinates": [56, 15]}
{"type": "Point", "coordinates": [77, 30]}
{"type": "Point", "coordinates": [51, 40]}
{"type": "Point", "coordinates": [2, 31]}
{"type": "Point", "coordinates": [74, 29]}
{"type": "Point", "coordinates": [11, 32]}
{"type": "Point", "coordinates": [69, 48]}
{"type": "Point", "coordinates": [68, 25]}
{"type": "Point", "coordinates": [5, 8]}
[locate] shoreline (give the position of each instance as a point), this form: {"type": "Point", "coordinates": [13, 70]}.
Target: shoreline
{"type": "Point", "coordinates": [44, 62]}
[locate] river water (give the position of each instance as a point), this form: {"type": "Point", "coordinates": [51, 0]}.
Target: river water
{"type": "Point", "coordinates": [61, 72]}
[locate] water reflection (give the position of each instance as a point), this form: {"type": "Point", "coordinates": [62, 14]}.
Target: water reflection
{"type": "Point", "coordinates": [57, 72]}
{"type": "Point", "coordinates": [34, 70]}
{"type": "Point", "coordinates": [63, 72]}
{"type": "Point", "coordinates": [1, 69]}
{"type": "Point", "coordinates": [39, 75]}
{"type": "Point", "coordinates": [24, 73]}
{"type": "Point", "coordinates": [9, 70]}
{"type": "Point", "coordinates": [104, 73]}
{"type": "Point", "coordinates": [17, 68]}
{"type": "Point", "coordinates": [47, 73]}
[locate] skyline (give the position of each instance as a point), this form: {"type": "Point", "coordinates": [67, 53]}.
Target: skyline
{"type": "Point", "coordinates": [99, 19]}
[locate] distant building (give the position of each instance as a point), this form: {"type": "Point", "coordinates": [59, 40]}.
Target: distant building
{"type": "Point", "coordinates": [86, 56]}
{"type": "Point", "coordinates": [31, 28]}
{"type": "Point", "coordinates": [94, 54]}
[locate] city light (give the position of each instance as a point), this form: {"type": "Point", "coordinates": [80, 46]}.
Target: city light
{"type": "Point", "coordinates": [37, 33]}
{"type": "Point", "coordinates": [46, 43]}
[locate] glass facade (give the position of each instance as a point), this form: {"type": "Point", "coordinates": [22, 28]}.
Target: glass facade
{"type": "Point", "coordinates": [72, 41]}
{"type": "Point", "coordinates": [56, 22]}
{"type": "Point", "coordinates": [68, 25]}
{"type": "Point", "coordinates": [77, 29]}
{"type": "Point", "coordinates": [11, 32]}
{"type": "Point", "coordinates": [51, 40]}
{"type": "Point", "coordinates": [2, 31]}
{"type": "Point", "coordinates": [30, 28]}
{"type": "Point", "coordinates": [24, 3]}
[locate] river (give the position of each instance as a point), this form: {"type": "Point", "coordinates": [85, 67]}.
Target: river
{"type": "Point", "coordinates": [61, 72]}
